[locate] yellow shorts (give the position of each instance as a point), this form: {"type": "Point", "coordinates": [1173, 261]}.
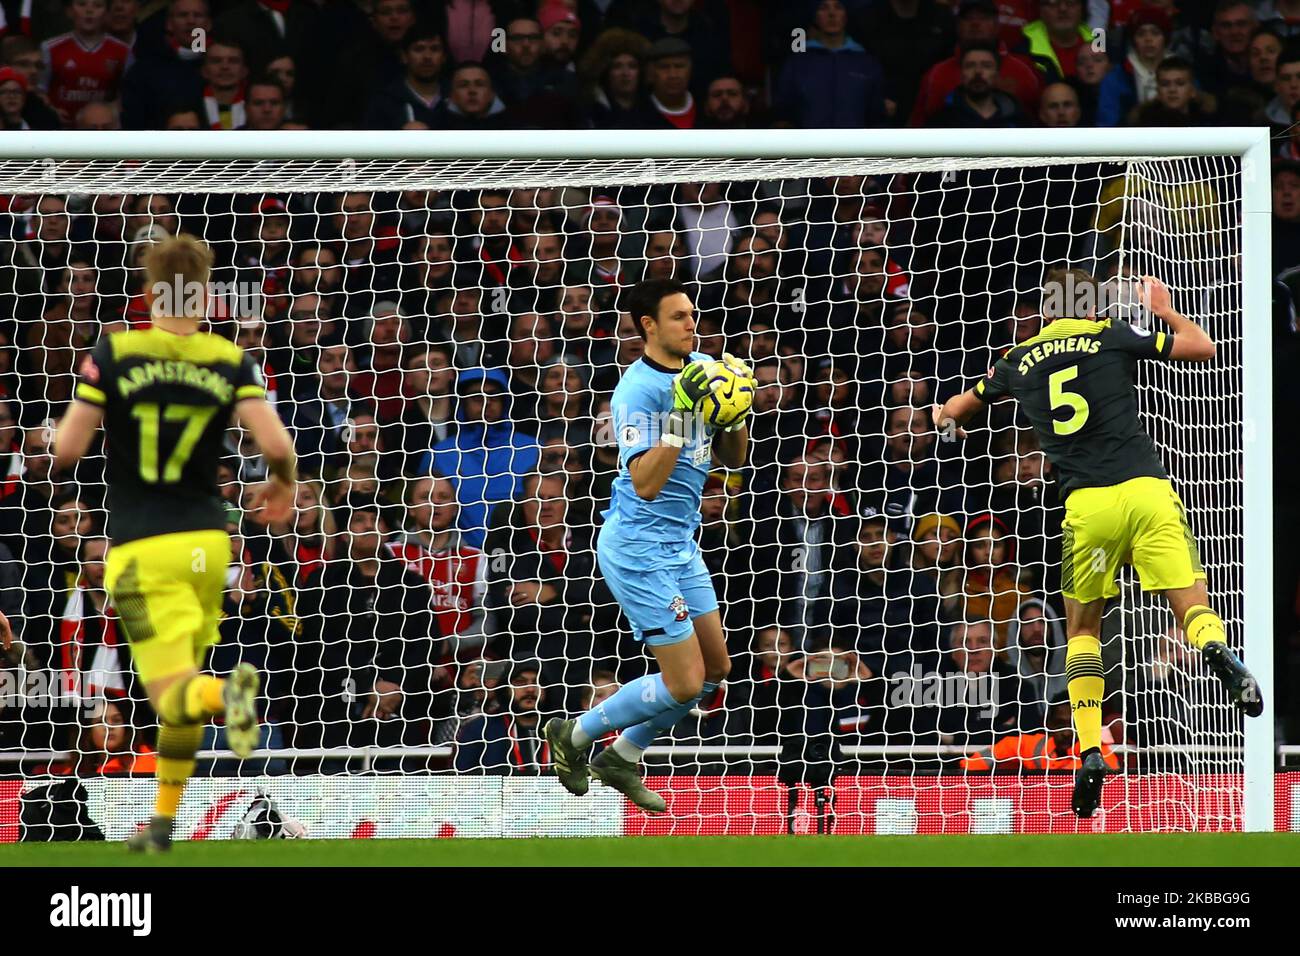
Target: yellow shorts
{"type": "Point", "coordinates": [167, 591]}
{"type": "Point", "coordinates": [1141, 522]}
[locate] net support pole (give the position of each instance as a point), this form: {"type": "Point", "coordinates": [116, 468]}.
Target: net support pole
{"type": "Point", "coordinates": [1257, 467]}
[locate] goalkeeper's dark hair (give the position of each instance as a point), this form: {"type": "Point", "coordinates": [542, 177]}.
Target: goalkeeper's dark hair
{"type": "Point", "coordinates": [645, 297]}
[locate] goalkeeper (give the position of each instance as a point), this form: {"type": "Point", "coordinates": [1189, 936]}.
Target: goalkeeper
{"type": "Point", "coordinates": [1075, 384]}
{"type": "Point", "coordinates": [647, 547]}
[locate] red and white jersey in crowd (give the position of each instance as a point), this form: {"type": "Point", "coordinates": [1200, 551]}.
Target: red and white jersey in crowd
{"type": "Point", "coordinates": [897, 283]}
{"type": "Point", "coordinates": [97, 669]}
{"type": "Point", "coordinates": [13, 469]}
{"type": "Point", "coordinates": [457, 578]}
{"type": "Point", "coordinates": [74, 74]}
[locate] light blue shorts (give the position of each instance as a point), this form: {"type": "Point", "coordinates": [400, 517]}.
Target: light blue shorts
{"type": "Point", "coordinates": [661, 587]}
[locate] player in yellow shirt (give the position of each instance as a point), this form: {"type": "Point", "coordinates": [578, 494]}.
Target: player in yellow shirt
{"type": "Point", "coordinates": [1075, 384]}
{"type": "Point", "coordinates": [165, 397]}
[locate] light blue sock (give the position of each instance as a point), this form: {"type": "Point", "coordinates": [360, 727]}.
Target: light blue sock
{"type": "Point", "coordinates": [632, 703]}
{"type": "Point", "coordinates": [642, 735]}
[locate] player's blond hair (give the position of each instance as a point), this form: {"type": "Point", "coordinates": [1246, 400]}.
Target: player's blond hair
{"type": "Point", "coordinates": [177, 263]}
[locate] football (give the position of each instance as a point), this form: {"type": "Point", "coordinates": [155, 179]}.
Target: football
{"type": "Point", "coordinates": [731, 397]}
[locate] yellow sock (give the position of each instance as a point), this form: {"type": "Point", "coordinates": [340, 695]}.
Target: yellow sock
{"type": "Point", "coordinates": [1202, 626]}
{"type": "Point", "coordinates": [176, 748]}
{"type": "Point", "coordinates": [1087, 684]}
{"type": "Point", "coordinates": [203, 696]}
{"type": "Point", "coordinates": [192, 701]}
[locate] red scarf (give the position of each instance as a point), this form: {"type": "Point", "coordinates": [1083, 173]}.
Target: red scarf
{"type": "Point", "coordinates": [24, 20]}
{"type": "Point", "coordinates": [12, 480]}
{"type": "Point", "coordinates": [494, 268]}
{"type": "Point", "coordinates": [72, 641]}
{"type": "Point", "coordinates": [517, 753]}
{"type": "Point", "coordinates": [557, 556]}
{"type": "Point", "coordinates": [212, 109]}
{"type": "Point", "coordinates": [311, 558]}
{"type": "Point", "coordinates": [714, 702]}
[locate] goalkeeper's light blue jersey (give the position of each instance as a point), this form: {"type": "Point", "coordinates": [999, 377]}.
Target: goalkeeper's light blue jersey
{"type": "Point", "coordinates": [641, 404]}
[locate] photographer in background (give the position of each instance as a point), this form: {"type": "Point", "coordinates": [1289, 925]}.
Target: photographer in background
{"type": "Point", "coordinates": [823, 699]}
{"type": "Point", "coordinates": [819, 700]}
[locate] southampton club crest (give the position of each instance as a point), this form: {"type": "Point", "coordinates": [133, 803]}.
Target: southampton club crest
{"type": "Point", "coordinates": [678, 607]}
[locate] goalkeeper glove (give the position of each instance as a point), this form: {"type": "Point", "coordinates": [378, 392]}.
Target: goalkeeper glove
{"type": "Point", "coordinates": [737, 366]}
{"type": "Point", "coordinates": [742, 371]}
{"type": "Point", "coordinates": [737, 423]}
{"type": "Point", "coordinates": [677, 428]}
{"type": "Point", "coordinates": [690, 385]}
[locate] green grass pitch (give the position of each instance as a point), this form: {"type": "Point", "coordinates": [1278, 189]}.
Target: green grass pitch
{"type": "Point", "coordinates": [1229, 849]}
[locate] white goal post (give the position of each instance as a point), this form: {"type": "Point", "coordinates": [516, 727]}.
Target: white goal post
{"type": "Point", "coordinates": [72, 163]}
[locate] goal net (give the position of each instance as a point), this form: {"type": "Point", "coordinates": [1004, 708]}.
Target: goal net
{"type": "Point", "coordinates": [442, 337]}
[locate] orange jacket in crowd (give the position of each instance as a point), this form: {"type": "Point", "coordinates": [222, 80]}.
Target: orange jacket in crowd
{"type": "Point", "coordinates": [1030, 752]}
{"type": "Point", "coordinates": [143, 760]}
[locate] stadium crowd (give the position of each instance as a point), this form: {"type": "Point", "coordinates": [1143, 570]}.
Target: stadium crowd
{"type": "Point", "coordinates": [445, 360]}
{"type": "Point", "coordinates": [647, 64]}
